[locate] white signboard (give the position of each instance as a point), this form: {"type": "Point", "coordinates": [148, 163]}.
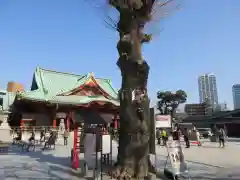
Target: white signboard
{"type": "Point", "coordinates": [90, 149]}
{"type": "Point", "coordinates": [106, 144]}
{"type": "Point", "coordinates": [176, 157]}
{"type": "Point", "coordinates": [163, 121]}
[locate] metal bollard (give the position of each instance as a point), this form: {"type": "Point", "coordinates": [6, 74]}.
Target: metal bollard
{"type": "Point", "coordinates": [85, 169]}
{"type": "Point", "coordinates": [95, 174]}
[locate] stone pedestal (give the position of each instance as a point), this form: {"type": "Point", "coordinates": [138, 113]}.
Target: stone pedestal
{"type": "Point", "coordinates": [5, 135]}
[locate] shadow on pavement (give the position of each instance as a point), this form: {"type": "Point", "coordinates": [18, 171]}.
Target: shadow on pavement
{"type": "Point", "coordinates": [233, 140]}
{"type": "Point", "coordinates": [60, 166]}
{"type": "Point", "coordinates": [189, 161]}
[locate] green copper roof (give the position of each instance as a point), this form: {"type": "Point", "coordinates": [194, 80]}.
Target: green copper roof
{"type": "Point", "coordinates": [83, 99]}
{"type": "Point", "coordinates": [47, 85]}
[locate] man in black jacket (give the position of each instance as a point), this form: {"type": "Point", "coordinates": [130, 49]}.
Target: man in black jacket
{"type": "Point", "coordinates": [221, 137]}
{"type": "Point", "coordinates": [186, 137]}
{"type": "Point", "coordinates": [176, 134]}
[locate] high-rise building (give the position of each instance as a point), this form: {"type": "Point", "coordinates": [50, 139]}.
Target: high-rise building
{"type": "Point", "coordinates": [207, 87]}
{"type": "Point", "coordinates": [236, 96]}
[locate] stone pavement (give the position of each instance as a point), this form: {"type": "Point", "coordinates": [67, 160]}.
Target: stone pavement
{"type": "Point", "coordinates": [207, 163]}
{"type": "Point", "coordinates": [36, 165]}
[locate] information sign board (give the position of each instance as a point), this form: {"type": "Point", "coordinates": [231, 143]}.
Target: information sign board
{"type": "Point", "coordinates": [106, 144]}
{"type": "Point", "coordinates": [163, 121]}
{"type": "Point", "coordinates": [90, 149]}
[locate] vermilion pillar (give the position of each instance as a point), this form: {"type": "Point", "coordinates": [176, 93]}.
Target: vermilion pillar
{"type": "Point", "coordinates": [75, 157]}
{"type": "Point", "coordinates": [54, 123]}
{"type": "Point", "coordinates": [22, 123]}
{"type": "Point", "coordinates": [115, 120]}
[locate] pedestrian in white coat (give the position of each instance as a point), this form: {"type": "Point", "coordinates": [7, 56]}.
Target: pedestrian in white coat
{"type": "Point", "coordinates": [198, 138]}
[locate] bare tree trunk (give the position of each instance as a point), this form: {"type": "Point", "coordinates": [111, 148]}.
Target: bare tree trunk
{"type": "Point", "coordinates": [134, 114]}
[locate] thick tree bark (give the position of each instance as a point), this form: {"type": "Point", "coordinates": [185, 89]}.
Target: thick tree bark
{"type": "Point", "coordinates": [134, 114]}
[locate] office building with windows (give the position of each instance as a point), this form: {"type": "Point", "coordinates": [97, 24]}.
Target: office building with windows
{"type": "Point", "coordinates": [236, 96]}
{"type": "Point", "coordinates": [197, 109]}
{"type": "Point", "coordinates": [207, 87]}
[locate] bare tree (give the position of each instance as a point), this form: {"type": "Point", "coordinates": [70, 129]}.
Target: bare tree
{"type": "Point", "coordinates": [133, 149]}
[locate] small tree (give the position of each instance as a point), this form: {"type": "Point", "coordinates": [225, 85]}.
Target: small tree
{"type": "Point", "coordinates": [169, 101]}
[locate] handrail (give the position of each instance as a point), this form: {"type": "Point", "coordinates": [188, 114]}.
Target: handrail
{"type": "Point", "coordinates": [33, 128]}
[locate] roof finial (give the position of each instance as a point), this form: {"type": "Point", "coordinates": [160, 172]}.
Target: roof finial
{"type": "Point", "coordinates": [91, 74]}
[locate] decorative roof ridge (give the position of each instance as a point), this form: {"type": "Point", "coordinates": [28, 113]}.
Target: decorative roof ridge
{"type": "Point", "coordinates": [86, 78]}
{"type": "Point", "coordinates": [23, 93]}
{"type": "Point", "coordinates": [27, 91]}
{"type": "Point", "coordinates": [81, 78]}
{"type": "Point", "coordinates": [57, 72]}
{"type": "Point", "coordinates": [41, 70]}
{"type": "Point", "coordinates": [72, 74]}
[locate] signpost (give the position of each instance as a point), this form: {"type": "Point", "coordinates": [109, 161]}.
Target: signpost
{"type": "Point", "coordinates": [177, 165]}
{"type": "Point", "coordinates": [94, 144]}
{"type": "Point", "coordinates": [163, 121]}
{"type": "Point", "coordinates": [90, 149]}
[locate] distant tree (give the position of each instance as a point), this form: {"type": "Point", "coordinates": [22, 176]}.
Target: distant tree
{"type": "Point", "coordinates": [169, 101]}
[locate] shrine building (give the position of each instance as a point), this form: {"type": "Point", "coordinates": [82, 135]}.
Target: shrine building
{"type": "Point", "coordinates": [56, 96]}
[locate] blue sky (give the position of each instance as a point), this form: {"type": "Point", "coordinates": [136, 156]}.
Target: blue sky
{"type": "Point", "coordinates": [71, 36]}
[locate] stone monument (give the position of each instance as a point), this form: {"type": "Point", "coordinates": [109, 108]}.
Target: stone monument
{"type": "Point", "coordinates": [5, 135]}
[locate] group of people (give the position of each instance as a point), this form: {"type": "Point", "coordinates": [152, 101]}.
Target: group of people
{"type": "Point", "coordinates": [65, 136]}
{"type": "Point", "coordinates": [187, 134]}
{"type": "Point", "coordinates": [43, 136]}
{"type": "Point", "coordinates": [163, 135]}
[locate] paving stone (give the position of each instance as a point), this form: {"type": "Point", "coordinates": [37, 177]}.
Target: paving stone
{"type": "Point", "coordinates": [204, 163]}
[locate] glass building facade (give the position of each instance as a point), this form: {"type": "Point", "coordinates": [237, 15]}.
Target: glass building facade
{"type": "Point", "coordinates": [207, 87]}
{"type": "Point", "coordinates": [236, 96]}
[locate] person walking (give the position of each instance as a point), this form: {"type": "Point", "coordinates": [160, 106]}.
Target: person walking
{"type": "Point", "coordinates": [42, 134]}
{"type": "Point", "coordinates": [176, 134]}
{"type": "Point", "coordinates": [221, 138]}
{"type": "Point", "coordinates": [198, 138]}
{"type": "Point", "coordinates": [65, 137]}
{"type": "Point", "coordinates": [164, 137]}
{"type": "Point", "coordinates": [186, 137]}
{"type": "Point", "coordinates": [158, 135]}
{"type": "Point", "coordinates": [32, 137]}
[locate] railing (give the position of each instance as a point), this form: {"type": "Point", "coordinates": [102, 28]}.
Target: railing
{"type": "Point", "coordinates": [27, 130]}
{"type": "Point", "coordinates": [34, 128]}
